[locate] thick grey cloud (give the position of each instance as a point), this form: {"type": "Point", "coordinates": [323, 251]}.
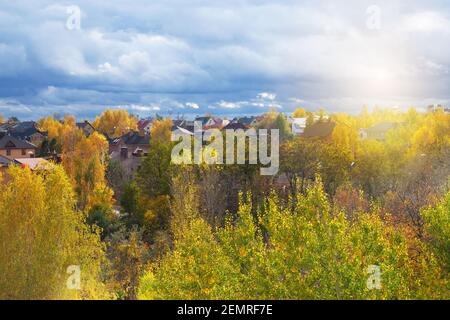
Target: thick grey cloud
{"type": "Point", "coordinates": [226, 57]}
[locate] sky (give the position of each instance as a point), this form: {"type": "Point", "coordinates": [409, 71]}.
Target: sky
{"type": "Point", "coordinates": [225, 57]}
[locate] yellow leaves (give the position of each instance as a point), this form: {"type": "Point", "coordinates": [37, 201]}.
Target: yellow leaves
{"type": "Point", "coordinates": [115, 122]}
{"type": "Point", "coordinates": [41, 235]}
{"type": "Point", "coordinates": [149, 217]}
{"type": "Point", "coordinates": [84, 160]}
{"type": "Point", "coordinates": [161, 131]}
{"type": "Point", "coordinates": [242, 252]}
{"type": "Point", "coordinates": [299, 113]}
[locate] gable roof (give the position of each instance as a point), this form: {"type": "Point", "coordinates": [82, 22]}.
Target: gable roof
{"type": "Point", "coordinates": [84, 124]}
{"type": "Point", "coordinates": [23, 130]}
{"type": "Point", "coordinates": [204, 120]}
{"type": "Point", "coordinates": [142, 124]}
{"type": "Point", "coordinates": [4, 161]}
{"type": "Point", "coordinates": [132, 137]}
{"type": "Point", "coordinates": [246, 120]}
{"type": "Point", "coordinates": [14, 143]}
{"type": "Point", "coordinates": [319, 130]}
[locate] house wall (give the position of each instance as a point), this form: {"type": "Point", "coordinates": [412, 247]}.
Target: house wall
{"type": "Point", "coordinates": [17, 153]}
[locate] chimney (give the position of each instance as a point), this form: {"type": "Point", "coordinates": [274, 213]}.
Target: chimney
{"type": "Point", "coordinates": [124, 152]}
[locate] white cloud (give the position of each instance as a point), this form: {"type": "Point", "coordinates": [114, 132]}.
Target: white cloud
{"type": "Point", "coordinates": [228, 105]}
{"type": "Point", "coordinates": [266, 96]}
{"type": "Point", "coordinates": [222, 53]}
{"type": "Point", "coordinates": [144, 108]}
{"type": "Point", "coordinates": [192, 105]}
{"type": "Point", "coordinates": [427, 21]}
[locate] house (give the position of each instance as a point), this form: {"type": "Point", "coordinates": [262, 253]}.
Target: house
{"type": "Point", "coordinates": [209, 122]}
{"type": "Point", "coordinates": [377, 132]}
{"type": "Point", "coordinates": [133, 142]}
{"type": "Point", "coordinates": [144, 126]}
{"type": "Point", "coordinates": [320, 129]}
{"type": "Point", "coordinates": [298, 125]}
{"type": "Point", "coordinates": [86, 127]}
{"type": "Point", "coordinates": [12, 147]}
{"type": "Point", "coordinates": [129, 150]}
{"type": "Point", "coordinates": [26, 130]}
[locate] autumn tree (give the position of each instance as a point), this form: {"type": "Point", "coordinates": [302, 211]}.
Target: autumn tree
{"type": "Point", "coordinates": [299, 113]}
{"type": "Point", "coordinates": [313, 252]}
{"type": "Point", "coordinates": [86, 165]}
{"type": "Point", "coordinates": [41, 235]}
{"type": "Point", "coordinates": [437, 226]}
{"type": "Point", "coordinates": [127, 254]}
{"type": "Point", "coordinates": [115, 122]}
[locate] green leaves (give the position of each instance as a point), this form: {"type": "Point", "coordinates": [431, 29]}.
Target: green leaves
{"type": "Point", "coordinates": [312, 252]}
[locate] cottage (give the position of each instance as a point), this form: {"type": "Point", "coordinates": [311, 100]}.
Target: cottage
{"type": "Point", "coordinates": [27, 130]}
{"type": "Point", "coordinates": [12, 147]}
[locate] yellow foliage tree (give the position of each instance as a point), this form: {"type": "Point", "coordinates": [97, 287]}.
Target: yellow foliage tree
{"type": "Point", "coordinates": [115, 122]}
{"type": "Point", "coordinates": [299, 113]}
{"type": "Point", "coordinates": [41, 236]}
{"type": "Point", "coordinates": [85, 165]}
{"type": "Point", "coordinates": [161, 130]}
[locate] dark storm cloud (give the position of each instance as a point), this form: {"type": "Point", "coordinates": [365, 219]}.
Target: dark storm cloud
{"type": "Point", "coordinates": [190, 57]}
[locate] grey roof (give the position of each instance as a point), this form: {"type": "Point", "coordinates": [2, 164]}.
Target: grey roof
{"type": "Point", "coordinates": [84, 124]}
{"type": "Point", "coordinates": [14, 143]}
{"type": "Point", "coordinates": [131, 138]}
{"type": "Point", "coordinates": [4, 162]}
{"type": "Point", "coordinates": [23, 130]}
{"type": "Point", "coordinates": [246, 120]}
{"type": "Point", "coordinates": [236, 126]}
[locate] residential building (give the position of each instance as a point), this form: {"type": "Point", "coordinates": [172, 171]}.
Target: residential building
{"type": "Point", "coordinates": [377, 132]}
{"type": "Point", "coordinates": [26, 130]}
{"type": "Point", "coordinates": [12, 147]}
{"type": "Point", "coordinates": [129, 150]}
{"type": "Point", "coordinates": [86, 127]}
{"type": "Point", "coordinates": [145, 126]}
{"type": "Point", "coordinates": [209, 122]}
